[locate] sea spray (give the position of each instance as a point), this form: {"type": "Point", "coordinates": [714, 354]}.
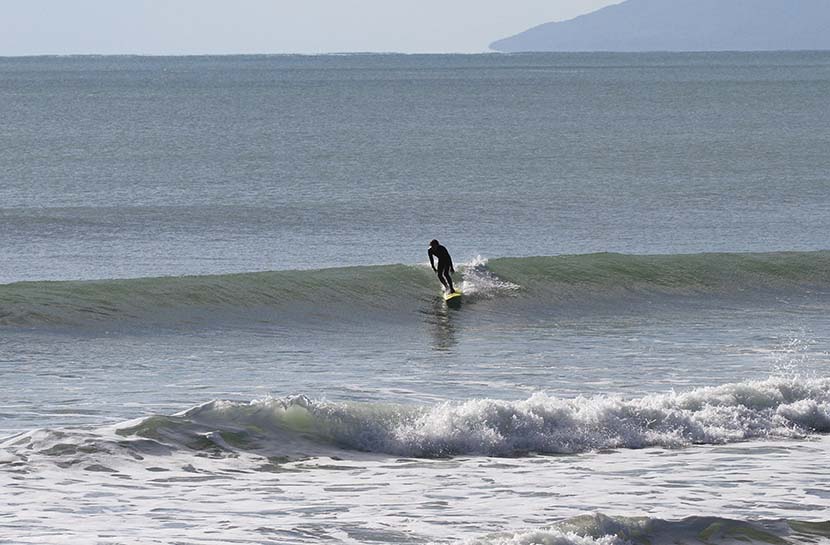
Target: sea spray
{"type": "Point", "coordinates": [480, 282]}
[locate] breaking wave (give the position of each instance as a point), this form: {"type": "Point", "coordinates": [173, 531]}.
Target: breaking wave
{"type": "Point", "coordinates": [604, 530]}
{"type": "Point", "coordinates": [298, 426]}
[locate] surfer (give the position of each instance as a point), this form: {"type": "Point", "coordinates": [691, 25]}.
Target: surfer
{"type": "Point", "coordinates": [444, 264]}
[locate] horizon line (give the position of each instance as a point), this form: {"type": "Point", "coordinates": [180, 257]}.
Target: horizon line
{"type": "Point", "coordinates": [403, 53]}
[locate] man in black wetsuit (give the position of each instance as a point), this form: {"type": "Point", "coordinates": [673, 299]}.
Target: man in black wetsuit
{"type": "Point", "coordinates": [444, 264]}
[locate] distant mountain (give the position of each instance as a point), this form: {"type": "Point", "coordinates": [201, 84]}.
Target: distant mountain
{"type": "Point", "coordinates": [685, 25]}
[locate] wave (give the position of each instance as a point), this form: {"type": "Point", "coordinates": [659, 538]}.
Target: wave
{"type": "Point", "coordinates": [599, 529]}
{"type": "Point", "coordinates": [191, 300]}
{"type": "Point", "coordinates": [296, 427]}
{"type": "Point", "coordinates": [378, 293]}
{"type": "Point", "coordinates": [719, 274]}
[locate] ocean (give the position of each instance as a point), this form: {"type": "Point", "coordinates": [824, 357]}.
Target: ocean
{"type": "Point", "coordinates": [218, 323]}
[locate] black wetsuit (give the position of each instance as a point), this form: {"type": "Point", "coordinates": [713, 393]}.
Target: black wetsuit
{"type": "Point", "coordinates": [444, 266]}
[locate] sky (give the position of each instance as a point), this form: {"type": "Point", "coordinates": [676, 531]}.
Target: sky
{"type": "Point", "coordinates": [170, 27]}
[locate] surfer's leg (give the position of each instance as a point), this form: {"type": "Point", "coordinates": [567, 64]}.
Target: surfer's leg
{"type": "Point", "coordinates": [441, 278]}
{"type": "Point", "coordinates": [449, 281]}
{"type": "Point", "coordinates": [446, 272]}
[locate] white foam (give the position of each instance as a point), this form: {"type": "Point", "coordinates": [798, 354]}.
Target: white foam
{"type": "Point", "coordinates": [545, 537]}
{"type": "Point", "coordinates": [241, 498]}
{"type": "Point", "coordinates": [735, 412]}
{"type": "Point", "coordinates": [776, 407]}
{"type": "Point", "coordinates": [481, 282]}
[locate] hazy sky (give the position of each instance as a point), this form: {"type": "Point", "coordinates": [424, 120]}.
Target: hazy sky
{"type": "Point", "coordinates": [35, 27]}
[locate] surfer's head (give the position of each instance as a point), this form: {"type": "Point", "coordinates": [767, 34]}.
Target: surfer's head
{"type": "Point", "coordinates": [433, 243]}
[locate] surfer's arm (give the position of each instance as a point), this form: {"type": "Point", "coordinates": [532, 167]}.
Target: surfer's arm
{"type": "Point", "coordinates": [452, 269]}
{"type": "Point", "coordinates": [431, 262]}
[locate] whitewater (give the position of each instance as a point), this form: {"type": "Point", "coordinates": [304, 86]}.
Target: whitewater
{"type": "Point", "coordinates": [218, 323]}
{"type": "Point", "coordinates": [294, 471]}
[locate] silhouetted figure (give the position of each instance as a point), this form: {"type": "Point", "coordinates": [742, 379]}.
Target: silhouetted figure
{"type": "Point", "coordinates": [444, 264]}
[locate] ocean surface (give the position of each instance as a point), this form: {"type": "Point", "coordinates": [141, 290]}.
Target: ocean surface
{"type": "Point", "coordinates": [218, 324]}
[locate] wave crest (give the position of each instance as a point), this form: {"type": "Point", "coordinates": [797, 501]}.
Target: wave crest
{"type": "Point", "coordinates": [773, 408]}
{"type": "Point", "coordinates": [300, 427]}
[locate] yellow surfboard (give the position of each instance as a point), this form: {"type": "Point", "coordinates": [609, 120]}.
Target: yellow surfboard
{"type": "Point", "coordinates": [451, 296]}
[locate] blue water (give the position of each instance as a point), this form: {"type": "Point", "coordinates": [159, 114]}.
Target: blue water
{"type": "Point", "coordinates": [130, 167]}
{"type": "Point", "coordinates": [214, 284]}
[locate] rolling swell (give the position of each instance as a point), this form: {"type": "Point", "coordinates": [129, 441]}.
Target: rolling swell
{"type": "Point", "coordinates": [328, 294]}
{"type": "Point", "coordinates": [617, 275]}
{"type": "Point", "coordinates": [399, 291]}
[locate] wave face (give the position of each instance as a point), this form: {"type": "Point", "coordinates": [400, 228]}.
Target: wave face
{"type": "Point", "coordinates": [398, 291]}
{"type": "Point", "coordinates": [604, 530]}
{"type": "Point", "coordinates": [614, 275]}
{"type": "Point", "coordinates": [298, 426]}
{"type": "Point", "coordinates": [192, 300]}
